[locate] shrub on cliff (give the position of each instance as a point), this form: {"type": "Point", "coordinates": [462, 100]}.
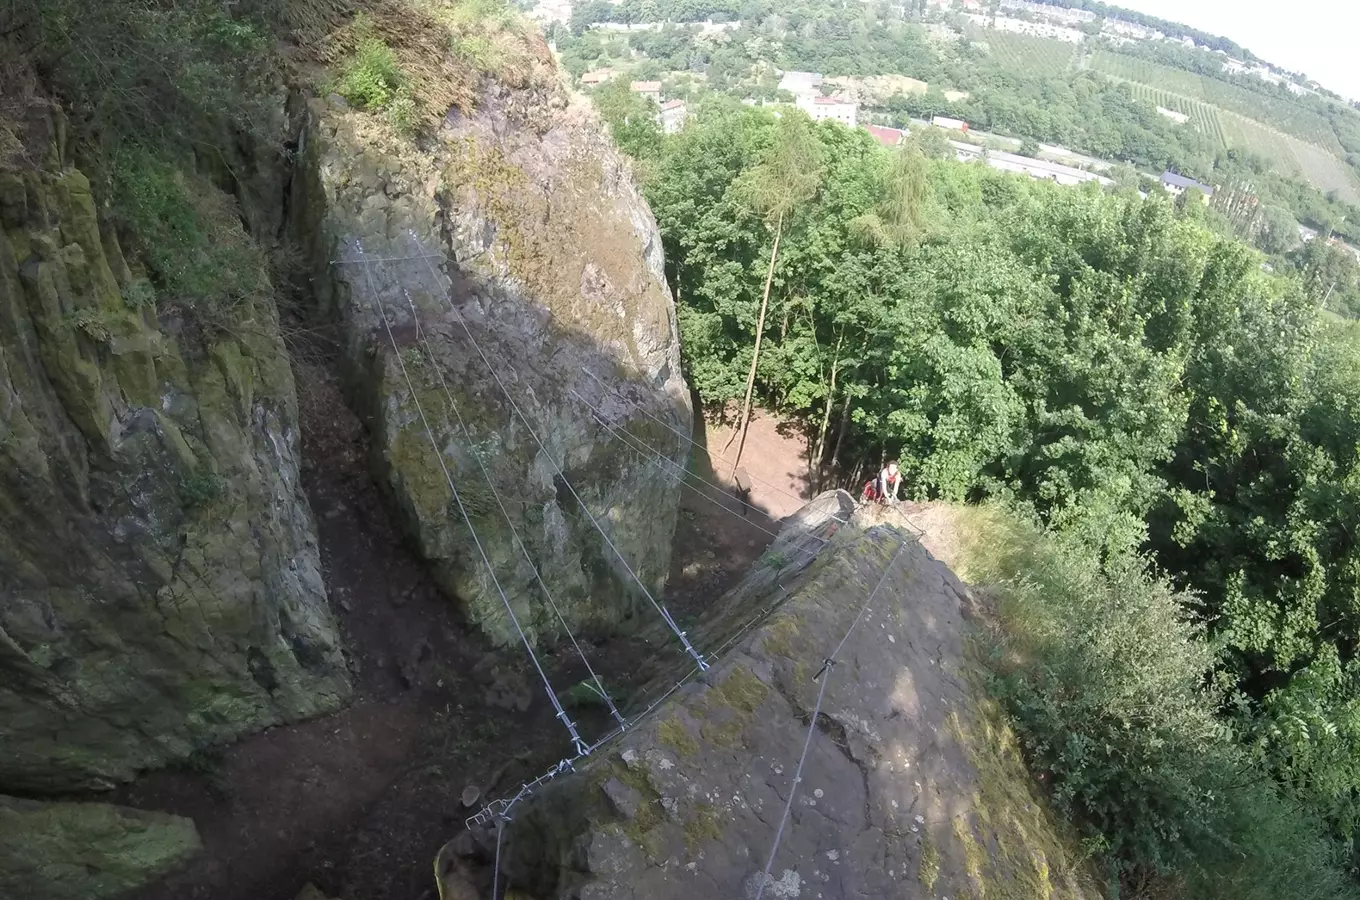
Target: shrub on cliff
{"type": "Point", "coordinates": [1109, 686]}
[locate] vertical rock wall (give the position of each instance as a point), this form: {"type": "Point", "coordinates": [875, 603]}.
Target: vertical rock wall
{"type": "Point", "coordinates": [513, 242]}
{"type": "Point", "coordinates": [160, 585]}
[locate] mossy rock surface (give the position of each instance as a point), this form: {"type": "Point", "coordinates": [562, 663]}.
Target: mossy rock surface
{"type": "Point", "coordinates": [912, 786]}
{"type": "Point", "coordinates": [511, 335]}
{"type": "Point", "coordinates": [160, 583]}
{"type": "Point", "coordinates": [87, 851]}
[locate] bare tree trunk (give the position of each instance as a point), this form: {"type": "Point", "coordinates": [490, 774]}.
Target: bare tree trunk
{"type": "Point", "coordinates": [840, 435]}
{"type": "Point", "coordinates": [815, 461]}
{"type": "Point", "coordinates": [755, 354]}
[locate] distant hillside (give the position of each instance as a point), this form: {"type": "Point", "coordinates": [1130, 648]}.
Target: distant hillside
{"type": "Point", "coordinates": [1110, 83]}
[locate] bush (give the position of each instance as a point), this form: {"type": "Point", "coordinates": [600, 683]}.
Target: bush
{"type": "Point", "coordinates": [201, 261]}
{"type": "Point", "coordinates": [173, 75]}
{"type": "Point", "coordinates": [1107, 683]}
{"type": "Point", "coordinates": [372, 78]}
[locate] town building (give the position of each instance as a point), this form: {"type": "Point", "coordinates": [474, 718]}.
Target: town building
{"type": "Point", "coordinates": [1175, 185]}
{"type": "Point", "coordinates": [888, 137]}
{"type": "Point", "coordinates": [801, 84]}
{"type": "Point", "coordinates": [1038, 169]}
{"type": "Point", "coordinates": [673, 115]}
{"type": "Point", "coordinates": [597, 77]}
{"type": "Point", "coordinates": [1033, 29]}
{"type": "Point", "coordinates": [828, 108]}
{"type": "Point", "coordinates": [649, 89]}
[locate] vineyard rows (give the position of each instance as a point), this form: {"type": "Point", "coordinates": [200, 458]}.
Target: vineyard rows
{"type": "Point", "coordinates": [1025, 53]}
{"type": "Point", "coordinates": [1204, 117]}
{"type": "Point", "coordinates": [1279, 112]}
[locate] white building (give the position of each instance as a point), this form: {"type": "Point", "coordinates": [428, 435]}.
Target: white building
{"type": "Point", "coordinates": [1175, 185]}
{"type": "Point", "coordinates": [649, 89]}
{"type": "Point", "coordinates": [801, 84]}
{"type": "Point", "coordinates": [673, 115]}
{"type": "Point", "coordinates": [823, 108]}
{"type": "Point", "coordinates": [1038, 169]}
{"type": "Point", "coordinates": [1033, 29]}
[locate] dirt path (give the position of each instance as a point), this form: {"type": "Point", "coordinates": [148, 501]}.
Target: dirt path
{"type": "Point", "coordinates": [359, 802]}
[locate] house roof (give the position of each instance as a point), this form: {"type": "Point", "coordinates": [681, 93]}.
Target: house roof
{"type": "Point", "coordinates": [888, 137]}
{"type": "Point", "coordinates": [673, 104]}
{"type": "Point", "coordinates": [830, 101]}
{"type": "Point", "coordinates": [1181, 181]}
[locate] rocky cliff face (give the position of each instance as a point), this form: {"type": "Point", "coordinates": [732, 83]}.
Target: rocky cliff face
{"type": "Point", "coordinates": [911, 787]}
{"type": "Point", "coordinates": [86, 851]}
{"type": "Point", "coordinates": [160, 587]}
{"type": "Point", "coordinates": [492, 288]}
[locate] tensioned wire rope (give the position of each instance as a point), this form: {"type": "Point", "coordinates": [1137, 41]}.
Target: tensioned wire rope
{"type": "Point", "coordinates": [825, 677]}
{"type": "Point", "coordinates": [661, 609]}
{"type": "Point", "coordinates": [579, 744]}
{"type": "Point", "coordinates": [680, 434]}
{"type": "Point", "coordinates": [637, 445]}
{"type": "Point", "coordinates": [581, 748]}
{"type": "Point", "coordinates": [514, 533]}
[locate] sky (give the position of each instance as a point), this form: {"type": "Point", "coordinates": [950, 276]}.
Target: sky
{"type": "Point", "coordinates": [1316, 37]}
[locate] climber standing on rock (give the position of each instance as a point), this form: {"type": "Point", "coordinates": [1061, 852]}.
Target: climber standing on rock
{"type": "Point", "coordinates": [889, 481]}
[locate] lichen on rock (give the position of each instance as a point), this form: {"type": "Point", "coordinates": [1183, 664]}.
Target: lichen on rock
{"type": "Point", "coordinates": [86, 851]}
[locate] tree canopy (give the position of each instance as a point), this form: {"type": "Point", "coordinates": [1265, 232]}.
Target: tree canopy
{"type": "Point", "coordinates": [1106, 364]}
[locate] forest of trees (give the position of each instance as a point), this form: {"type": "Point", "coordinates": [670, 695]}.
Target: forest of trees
{"type": "Point", "coordinates": [1104, 364]}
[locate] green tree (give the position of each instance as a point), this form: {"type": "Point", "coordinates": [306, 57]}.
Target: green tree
{"type": "Point", "coordinates": [1279, 231]}
{"type": "Point", "coordinates": [632, 118]}
{"type": "Point", "coordinates": [787, 177]}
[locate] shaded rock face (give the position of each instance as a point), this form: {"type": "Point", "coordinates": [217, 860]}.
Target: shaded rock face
{"type": "Point", "coordinates": [86, 851]}
{"type": "Point", "coordinates": [508, 263]}
{"type": "Point", "coordinates": [911, 786]}
{"type": "Point", "coordinates": [160, 587]}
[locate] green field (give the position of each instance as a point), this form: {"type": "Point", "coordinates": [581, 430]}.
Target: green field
{"type": "Point", "coordinates": [1297, 140]}
{"type": "Point", "coordinates": [1025, 54]}
{"type": "Point", "coordinates": [1291, 118]}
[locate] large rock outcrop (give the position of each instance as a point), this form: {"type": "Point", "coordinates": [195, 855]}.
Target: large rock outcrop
{"type": "Point", "coordinates": [912, 787]}
{"type": "Point", "coordinates": [160, 585]}
{"type": "Point", "coordinates": [86, 851]}
{"type": "Point", "coordinates": [512, 263]}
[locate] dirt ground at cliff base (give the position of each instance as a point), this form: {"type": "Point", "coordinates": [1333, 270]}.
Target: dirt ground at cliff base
{"type": "Point", "coordinates": [359, 802]}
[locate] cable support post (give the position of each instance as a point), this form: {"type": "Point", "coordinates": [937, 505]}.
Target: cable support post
{"type": "Point", "coordinates": [826, 667]}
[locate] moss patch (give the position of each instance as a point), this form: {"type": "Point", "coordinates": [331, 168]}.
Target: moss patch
{"type": "Point", "coordinates": [741, 690]}
{"type": "Point", "coordinates": [781, 635]}
{"type": "Point", "coordinates": [928, 871]}
{"type": "Point", "coordinates": [1033, 857]}
{"type": "Point", "coordinates": [704, 825]}
{"type": "Point", "coordinates": [673, 734]}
